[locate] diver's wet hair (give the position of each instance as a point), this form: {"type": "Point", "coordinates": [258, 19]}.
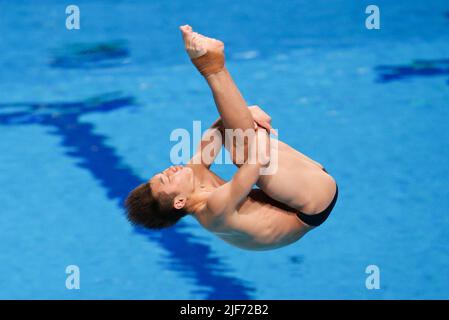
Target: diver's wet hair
{"type": "Point", "coordinates": [145, 210]}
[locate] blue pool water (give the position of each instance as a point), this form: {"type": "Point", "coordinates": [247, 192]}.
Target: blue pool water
{"type": "Point", "coordinates": [85, 115]}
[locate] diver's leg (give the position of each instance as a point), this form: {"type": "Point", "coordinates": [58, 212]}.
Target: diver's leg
{"type": "Point", "coordinates": [230, 104]}
{"type": "Point", "coordinates": [207, 55]}
{"type": "Point", "coordinates": [282, 185]}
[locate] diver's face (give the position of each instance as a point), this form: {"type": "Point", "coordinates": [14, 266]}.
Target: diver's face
{"type": "Point", "coordinates": [175, 179]}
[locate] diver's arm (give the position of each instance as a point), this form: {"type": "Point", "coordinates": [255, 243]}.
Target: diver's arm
{"type": "Point", "coordinates": [227, 198]}
{"type": "Point", "coordinates": [214, 138]}
{"type": "Point", "coordinates": [210, 145]}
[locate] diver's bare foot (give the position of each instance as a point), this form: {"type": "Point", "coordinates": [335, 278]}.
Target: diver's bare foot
{"type": "Point", "coordinates": [205, 53]}
{"type": "Point", "coordinates": [198, 45]}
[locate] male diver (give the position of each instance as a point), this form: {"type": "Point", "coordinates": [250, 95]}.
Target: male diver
{"type": "Point", "coordinates": [290, 201]}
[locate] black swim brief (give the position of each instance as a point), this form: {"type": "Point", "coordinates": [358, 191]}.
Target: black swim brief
{"type": "Point", "coordinates": [317, 219]}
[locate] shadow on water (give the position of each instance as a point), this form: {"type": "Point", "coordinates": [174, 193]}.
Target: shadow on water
{"type": "Point", "coordinates": [297, 259]}
{"type": "Point", "coordinates": [190, 258]}
{"type": "Point", "coordinates": [91, 55]}
{"type": "Point", "coordinates": [417, 68]}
